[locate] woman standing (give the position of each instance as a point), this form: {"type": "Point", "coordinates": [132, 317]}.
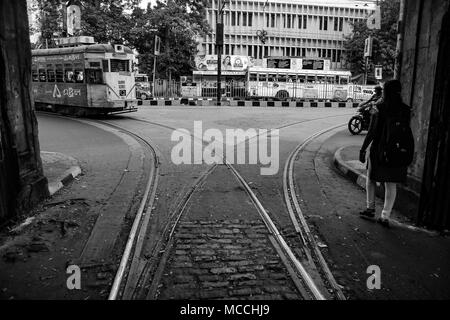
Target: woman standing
{"type": "Point", "coordinates": [391, 106]}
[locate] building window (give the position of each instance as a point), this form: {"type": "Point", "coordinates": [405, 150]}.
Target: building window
{"type": "Point", "coordinates": [244, 19]}
{"type": "Point", "coordinates": [250, 19]}
{"type": "Point", "coordinates": [238, 18]}
{"type": "Point", "coordinates": [341, 22]}
{"type": "Point", "coordinates": [233, 18]}
{"type": "Point", "coordinates": [336, 23]}
{"type": "Point", "coordinates": [300, 22]}
{"type": "Point", "coordinates": [325, 23]}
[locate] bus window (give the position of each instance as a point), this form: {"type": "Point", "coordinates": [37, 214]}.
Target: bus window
{"type": "Point", "coordinates": [301, 79]}
{"type": "Point", "coordinates": [262, 77]}
{"type": "Point", "coordinates": [292, 78]}
{"type": "Point", "coordinates": [120, 65]}
{"type": "Point", "coordinates": [282, 78]}
{"type": "Point", "coordinates": [253, 77]}
{"type": "Point", "coordinates": [272, 77]}
{"type": "Point", "coordinates": [105, 65]}
{"type": "Point", "coordinates": [59, 73]}
{"type": "Point", "coordinates": [34, 74]}
{"type": "Point", "coordinates": [310, 79]}
{"type": "Point", "coordinates": [42, 75]}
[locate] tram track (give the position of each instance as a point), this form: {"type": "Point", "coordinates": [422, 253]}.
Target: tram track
{"type": "Point", "coordinates": [297, 216]}
{"type": "Point", "coordinates": [280, 243]}
{"type": "Point", "coordinates": [131, 268]}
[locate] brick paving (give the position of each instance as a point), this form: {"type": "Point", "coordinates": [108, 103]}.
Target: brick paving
{"type": "Point", "coordinates": [224, 259]}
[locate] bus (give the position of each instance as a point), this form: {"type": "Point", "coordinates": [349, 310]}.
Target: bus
{"type": "Point", "coordinates": [84, 80]}
{"type": "Point", "coordinates": [306, 78]}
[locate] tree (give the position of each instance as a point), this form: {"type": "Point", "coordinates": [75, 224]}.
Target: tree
{"type": "Point", "coordinates": [177, 23]}
{"type": "Point", "coordinates": [384, 44]}
{"type": "Point", "coordinates": [49, 19]}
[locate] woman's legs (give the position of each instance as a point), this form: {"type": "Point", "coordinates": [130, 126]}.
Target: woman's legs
{"type": "Point", "coordinates": [370, 192]}
{"type": "Point", "coordinates": [389, 199]}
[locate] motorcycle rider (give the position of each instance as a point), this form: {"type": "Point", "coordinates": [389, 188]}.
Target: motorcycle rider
{"type": "Point", "coordinates": [373, 99]}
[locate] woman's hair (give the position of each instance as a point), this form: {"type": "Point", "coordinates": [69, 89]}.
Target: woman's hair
{"type": "Point", "coordinates": [392, 94]}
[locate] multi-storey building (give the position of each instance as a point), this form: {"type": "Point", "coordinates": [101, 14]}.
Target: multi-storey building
{"type": "Point", "coordinates": [300, 28]}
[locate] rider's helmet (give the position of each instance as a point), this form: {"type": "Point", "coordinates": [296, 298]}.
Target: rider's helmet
{"type": "Point", "coordinates": [378, 89]}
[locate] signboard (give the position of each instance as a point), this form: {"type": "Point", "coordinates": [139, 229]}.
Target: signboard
{"type": "Point", "coordinates": [368, 44]}
{"type": "Point", "coordinates": [229, 63]}
{"type": "Point", "coordinates": [73, 19]}
{"type": "Point", "coordinates": [374, 20]}
{"type": "Point", "coordinates": [378, 72]}
{"type": "Point", "coordinates": [278, 63]}
{"type": "Point", "coordinates": [312, 64]}
{"type": "Point", "coordinates": [157, 45]}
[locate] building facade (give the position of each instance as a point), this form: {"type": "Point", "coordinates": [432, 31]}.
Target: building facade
{"type": "Point", "coordinates": [296, 28]}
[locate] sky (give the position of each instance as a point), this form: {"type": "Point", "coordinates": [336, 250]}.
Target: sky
{"type": "Point", "coordinates": [144, 3]}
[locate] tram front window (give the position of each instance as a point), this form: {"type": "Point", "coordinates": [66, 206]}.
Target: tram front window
{"type": "Point", "coordinates": [120, 65]}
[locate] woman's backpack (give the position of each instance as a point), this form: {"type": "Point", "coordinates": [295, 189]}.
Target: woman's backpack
{"type": "Point", "coordinates": [396, 148]}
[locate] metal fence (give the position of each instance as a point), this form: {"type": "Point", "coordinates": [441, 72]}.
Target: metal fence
{"type": "Point", "coordinates": [262, 90]}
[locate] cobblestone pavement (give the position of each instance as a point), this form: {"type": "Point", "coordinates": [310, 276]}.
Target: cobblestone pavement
{"type": "Point", "coordinates": [223, 253]}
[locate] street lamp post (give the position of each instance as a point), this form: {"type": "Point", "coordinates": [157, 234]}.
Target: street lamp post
{"type": "Point", "coordinates": [219, 47]}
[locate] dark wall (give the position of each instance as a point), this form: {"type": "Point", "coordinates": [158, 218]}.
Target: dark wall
{"type": "Point", "coordinates": [22, 182]}
{"type": "Point", "coordinates": [423, 23]}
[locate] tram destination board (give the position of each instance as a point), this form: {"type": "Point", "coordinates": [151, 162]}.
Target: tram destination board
{"type": "Point", "coordinates": [279, 63]}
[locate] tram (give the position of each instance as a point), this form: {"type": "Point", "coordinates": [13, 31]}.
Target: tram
{"type": "Point", "coordinates": [84, 80]}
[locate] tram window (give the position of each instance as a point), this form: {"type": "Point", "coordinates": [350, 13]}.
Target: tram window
{"type": "Point", "coordinates": [320, 79]}
{"type": "Point", "coordinates": [301, 79]}
{"type": "Point", "coordinates": [272, 77]}
{"type": "Point", "coordinates": [263, 77]}
{"type": "Point", "coordinates": [42, 75]}
{"type": "Point", "coordinates": [59, 73]}
{"type": "Point", "coordinates": [253, 77]}
{"type": "Point", "coordinates": [79, 76]}
{"type": "Point", "coordinates": [331, 80]}
{"type": "Point", "coordinates": [94, 64]}
{"type": "Point", "coordinates": [120, 65]}
{"type": "Point", "coordinates": [94, 76]}
{"type": "Point", "coordinates": [310, 79]}
{"type": "Point", "coordinates": [51, 75]}
{"type": "Point", "coordinates": [344, 80]}
{"type": "Point", "coordinates": [69, 76]}
{"type": "Point", "coordinates": [282, 78]}
{"type": "Point", "coordinates": [34, 75]}
{"type": "Point", "coordinates": [105, 65]}
{"type": "Point", "coordinates": [292, 78]}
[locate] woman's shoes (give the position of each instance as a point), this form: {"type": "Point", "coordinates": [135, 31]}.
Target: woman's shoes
{"type": "Point", "coordinates": [384, 222]}
{"type": "Point", "coordinates": [369, 213]}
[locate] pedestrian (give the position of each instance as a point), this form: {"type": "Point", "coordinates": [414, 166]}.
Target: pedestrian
{"type": "Point", "coordinates": [391, 150]}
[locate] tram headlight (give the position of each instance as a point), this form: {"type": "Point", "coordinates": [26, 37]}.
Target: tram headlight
{"type": "Point", "coordinates": [122, 93]}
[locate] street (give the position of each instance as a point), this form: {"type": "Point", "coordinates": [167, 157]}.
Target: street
{"type": "Point", "coordinates": [203, 234]}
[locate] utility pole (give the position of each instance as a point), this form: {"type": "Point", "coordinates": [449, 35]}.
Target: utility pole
{"type": "Point", "coordinates": [398, 49]}
{"type": "Point", "coordinates": [219, 47]}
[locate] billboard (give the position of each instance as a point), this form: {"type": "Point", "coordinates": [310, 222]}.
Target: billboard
{"type": "Point", "coordinates": [229, 63]}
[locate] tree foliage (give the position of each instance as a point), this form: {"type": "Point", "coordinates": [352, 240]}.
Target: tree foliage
{"type": "Point", "coordinates": [384, 44]}
{"type": "Point", "coordinates": [177, 22]}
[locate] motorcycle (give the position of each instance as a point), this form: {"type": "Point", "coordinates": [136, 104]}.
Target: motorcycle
{"type": "Point", "coordinates": [360, 121]}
